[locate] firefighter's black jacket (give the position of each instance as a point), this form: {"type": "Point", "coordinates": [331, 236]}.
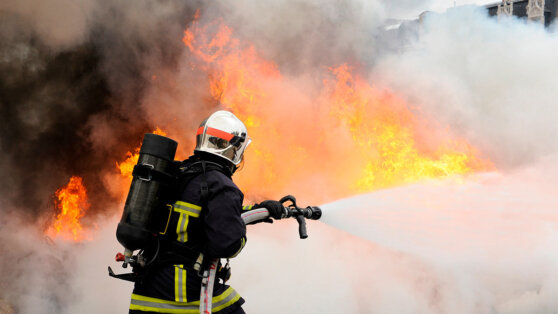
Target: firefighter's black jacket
{"type": "Point", "coordinates": [210, 224]}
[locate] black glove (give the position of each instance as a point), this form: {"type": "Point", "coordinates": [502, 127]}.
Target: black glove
{"type": "Point", "coordinates": [275, 208]}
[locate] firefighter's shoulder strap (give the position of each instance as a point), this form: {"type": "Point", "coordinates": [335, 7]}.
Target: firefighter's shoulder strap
{"type": "Point", "coordinates": [204, 189]}
{"type": "Point", "coordinates": [186, 174]}
{"type": "Point", "coordinates": [189, 172]}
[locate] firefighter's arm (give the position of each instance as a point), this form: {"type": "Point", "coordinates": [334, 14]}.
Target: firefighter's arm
{"type": "Point", "coordinates": [248, 208]}
{"type": "Point", "coordinates": [225, 229]}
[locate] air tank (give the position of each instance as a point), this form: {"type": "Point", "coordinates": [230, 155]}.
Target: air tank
{"type": "Point", "coordinates": [145, 205]}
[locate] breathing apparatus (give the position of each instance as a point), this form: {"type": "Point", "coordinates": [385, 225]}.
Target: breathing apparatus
{"type": "Point", "coordinates": [146, 206]}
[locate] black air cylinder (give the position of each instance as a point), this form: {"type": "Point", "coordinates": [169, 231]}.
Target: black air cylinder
{"type": "Point", "coordinates": [152, 173]}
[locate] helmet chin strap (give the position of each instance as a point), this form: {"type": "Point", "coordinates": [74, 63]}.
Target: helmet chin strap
{"type": "Point", "coordinates": [240, 166]}
{"type": "Point", "coordinates": [221, 161]}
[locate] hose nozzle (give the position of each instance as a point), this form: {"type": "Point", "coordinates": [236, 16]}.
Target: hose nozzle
{"type": "Point", "coordinates": [314, 212]}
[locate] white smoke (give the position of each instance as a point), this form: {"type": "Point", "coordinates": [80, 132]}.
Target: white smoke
{"type": "Point", "coordinates": [45, 276]}
{"type": "Point", "coordinates": [492, 81]}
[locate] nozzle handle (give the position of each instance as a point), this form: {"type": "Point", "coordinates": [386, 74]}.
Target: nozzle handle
{"type": "Point", "coordinates": [302, 227]}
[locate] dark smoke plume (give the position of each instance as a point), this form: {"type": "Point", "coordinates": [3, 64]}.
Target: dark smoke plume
{"type": "Point", "coordinates": [73, 78]}
{"type": "Point", "coordinates": [70, 100]}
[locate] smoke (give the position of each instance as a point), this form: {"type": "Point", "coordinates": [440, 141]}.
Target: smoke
{"type": "Point", "coordinates": [485, 245]}
{"type": "Point", "coordinates": [42, 276]}
{"type": "Point", "coordinates": [80, 84]}
{"type": "Point", "coordinates": [490, 80]}
{"type": "Point", "coordinates": [73, 76]}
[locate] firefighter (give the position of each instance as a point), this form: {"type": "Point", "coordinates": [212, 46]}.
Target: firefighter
{"type": "Point", "coordinates": [206, 219]}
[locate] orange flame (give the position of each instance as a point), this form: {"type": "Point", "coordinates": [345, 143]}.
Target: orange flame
{"type": "Point", "coordinates": [71, 201]}
{"type": "Point", "coordinates": [388, 134]}
{"type": "Point", "coordinates": [347, 137]}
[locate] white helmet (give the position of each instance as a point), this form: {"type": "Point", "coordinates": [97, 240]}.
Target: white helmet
{"type": "Point", "coordinates": [223, 135]}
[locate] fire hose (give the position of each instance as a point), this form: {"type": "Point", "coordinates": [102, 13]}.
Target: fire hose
{"type": "Point", "coordinates": [252, 217]}
{"type": "Point", "coordinates": [292, 210]}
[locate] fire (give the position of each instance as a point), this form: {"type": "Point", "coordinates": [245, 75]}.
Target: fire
{"type": "Point", "coordinates": [127, 166]}
{"type": "Point", "coordinates": [386, 131]}
{"type": "Point", "coordinates": [344, 138]}
{"type": "Point", "coordinates": [236, 71]}
{"type": "Point", "coordinates": [71, 202]}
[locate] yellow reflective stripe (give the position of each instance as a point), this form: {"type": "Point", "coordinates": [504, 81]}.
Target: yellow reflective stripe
{"type": "Point", "coordinates": [180, 283]}
{"type": "Point", "coordinates": [142, 303]}
{"type": "Point", "coordinates": [176, 283]}
{"type": "Point", "coordinates": [187, 208]}
{"type": "Point", "coordinates": [242, 243]}
{"type": "Point", "coordinates": [184, 297]}
{"type": "Point", "coordinates": [188, 205]}
{"type": "Point", "coordinates": [181, 228]}
{"type": "Point", "coordinates": [227, 302]}
{"type": "Point", "coordinates": [186, 212]}
{"type": "Point", "coordinates": [217, 298]}
{"type": "Point", "coordinates": [247, 207]}
{"type": "Point", "coordinates": [148, 308]}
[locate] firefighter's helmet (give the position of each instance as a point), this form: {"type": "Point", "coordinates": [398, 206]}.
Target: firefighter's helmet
{"type": "Point", "coordinates": [224, 135]}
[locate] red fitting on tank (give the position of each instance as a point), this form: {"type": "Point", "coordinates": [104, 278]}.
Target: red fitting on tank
{"type": "Point", "coordinates": [119, 257]}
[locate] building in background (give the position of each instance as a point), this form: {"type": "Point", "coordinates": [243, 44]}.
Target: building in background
{"type": "Point", "coordinates": [542, 11]}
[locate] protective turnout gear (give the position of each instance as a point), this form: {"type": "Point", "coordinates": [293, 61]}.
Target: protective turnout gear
{"type": "Point", "coordinates": [275, 208]}
{"type": "Point", "coordinates": [210, 224]}
{"type": "Point", "coordinates": [223, 134]}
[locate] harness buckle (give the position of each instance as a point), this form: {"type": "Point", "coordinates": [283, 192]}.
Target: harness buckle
{"type": "Point", "coordinates": [198, 265]}
{"type": "Point", "coordinates": [148, 168]}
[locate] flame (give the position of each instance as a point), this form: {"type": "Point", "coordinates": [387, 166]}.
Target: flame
{"type": "Point", "coordinates": [158, 131]}
{"type": "Point", "coordinates": [386, 131]}
{"type": "Point", "coordinates": [71, 201]}
{"type": "Point", "coordinates": [347, 138]}
{"type": "Point", "coordinates": [127, 166]}
{"type": "Point", "coordinates": [234, 79]}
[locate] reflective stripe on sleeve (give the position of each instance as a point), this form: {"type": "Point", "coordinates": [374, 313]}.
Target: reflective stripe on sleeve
{"type": "Point", "coordinates": [242, 244]}
{"type": "Point", "coordinates": [247, 207]}
{"type": "Point", "coordinates": [181, 228]}
{"type": "Point", "coordinates": [185, 210]}
{"type": "Point", "coordinates": [142, 303]}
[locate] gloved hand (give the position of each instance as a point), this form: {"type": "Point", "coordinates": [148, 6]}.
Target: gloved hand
{"type": "Point", "coordinates": [275, 208]}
